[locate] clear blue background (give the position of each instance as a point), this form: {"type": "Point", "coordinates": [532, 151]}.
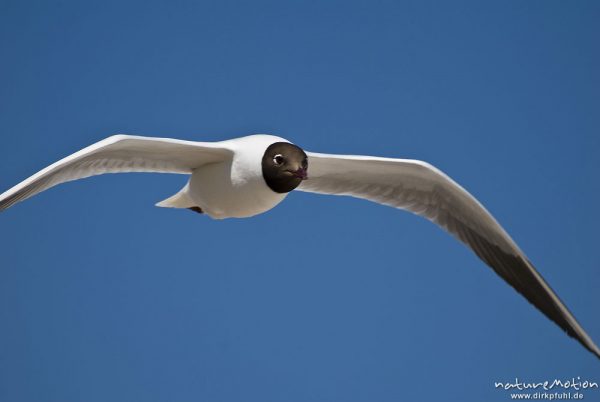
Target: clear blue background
{"type": "Point", "coordinates": [104, 297]}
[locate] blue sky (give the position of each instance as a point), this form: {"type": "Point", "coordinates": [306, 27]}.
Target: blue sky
{"type": "Point", "coordinates": [105, 297]}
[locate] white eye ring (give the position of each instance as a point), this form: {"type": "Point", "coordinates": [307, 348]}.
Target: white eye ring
{"type": "Point", "coordinates": [278, 159]}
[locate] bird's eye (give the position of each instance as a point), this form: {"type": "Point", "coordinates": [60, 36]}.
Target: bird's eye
{"type": "Point", "coordinates": [278, 159]}
{"type": "Point", "coordinates": [305, 164]}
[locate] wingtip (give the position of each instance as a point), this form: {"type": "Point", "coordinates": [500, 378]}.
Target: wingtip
{"type": "Point", "coordinates": [586, 341]}
{"type": "Point", "coordinates": [595, 350]}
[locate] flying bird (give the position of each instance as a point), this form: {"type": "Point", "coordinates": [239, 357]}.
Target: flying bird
{"type": "Point", "coordinates": [247, 176]}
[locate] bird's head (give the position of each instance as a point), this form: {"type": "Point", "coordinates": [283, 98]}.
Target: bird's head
{"type": "Point", "coordinates": [284, 166]}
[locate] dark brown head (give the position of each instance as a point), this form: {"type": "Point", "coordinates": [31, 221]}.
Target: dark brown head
{"type": "Point", "coordinates": [284, 166]}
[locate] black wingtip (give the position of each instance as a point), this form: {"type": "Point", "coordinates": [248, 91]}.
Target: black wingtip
{"type": "Point", "coordinates": [521, 274]}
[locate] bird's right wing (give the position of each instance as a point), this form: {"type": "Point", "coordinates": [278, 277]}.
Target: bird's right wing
{"type": "Point", "coordinates": [120, 154]}
{"type": "Point", "coordinates": [420, 188]}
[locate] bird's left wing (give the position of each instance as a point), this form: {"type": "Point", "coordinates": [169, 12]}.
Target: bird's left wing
{"type": "Point", "coordinates": [120, 154]}
{"type": "Point", "coordinates": [420, 188]}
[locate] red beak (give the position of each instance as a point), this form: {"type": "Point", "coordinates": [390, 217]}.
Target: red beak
{"type": "Point", "coordinates": [301, 173]}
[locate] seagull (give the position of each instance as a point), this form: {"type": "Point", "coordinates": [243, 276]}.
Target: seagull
{"type": "Point", "coordinates": [247, 176]}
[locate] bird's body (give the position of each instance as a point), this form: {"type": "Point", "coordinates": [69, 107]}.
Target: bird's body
{"type": "Point", "coordinates": [233, 188]}
{"type": "Point", "coordinates": [220, 193]}
{"type": "Point", "coordinates": [247, 176]}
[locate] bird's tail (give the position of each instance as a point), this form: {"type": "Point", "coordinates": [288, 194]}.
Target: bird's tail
{"type": "Point", "coordinates": [179, 200]}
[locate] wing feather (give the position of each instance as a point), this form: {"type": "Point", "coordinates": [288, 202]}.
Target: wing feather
{"type": "Point", "coordinates": [422, 189]}
{"type": "Point", "coordinates": [119, 154]}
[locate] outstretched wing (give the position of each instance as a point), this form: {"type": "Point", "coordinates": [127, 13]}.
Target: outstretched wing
{"type": "Point", "coordinates": [426, 191]}
{"type": "Point", "coordinates": [119, 154]}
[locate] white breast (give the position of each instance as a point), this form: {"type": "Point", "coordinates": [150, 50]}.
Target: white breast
{"type": "Point", "coordinates": [236, 189]}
